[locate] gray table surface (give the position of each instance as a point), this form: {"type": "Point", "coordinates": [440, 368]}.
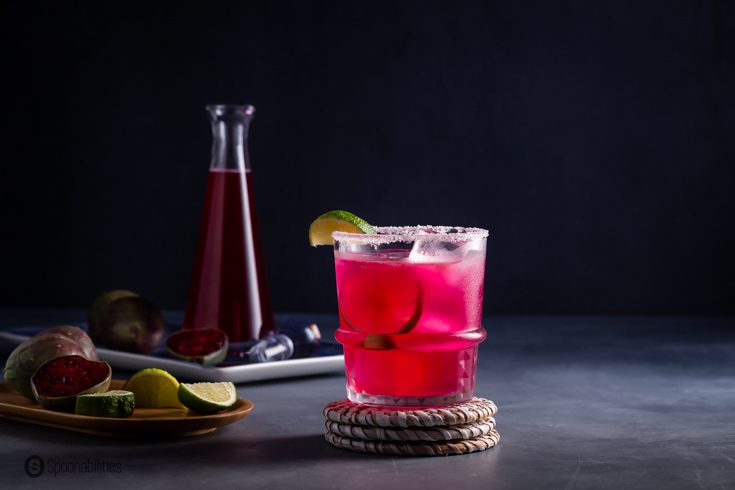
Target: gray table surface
{"type": "Point", "coordinates": [585, 402]}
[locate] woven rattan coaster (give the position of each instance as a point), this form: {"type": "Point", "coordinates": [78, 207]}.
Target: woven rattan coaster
{"type": "Point", "coordinates": [414, 448]}
{"type": "Point", "coordinates": [427, 434]}
{"type": "Point", "coordinates": [350, 413]}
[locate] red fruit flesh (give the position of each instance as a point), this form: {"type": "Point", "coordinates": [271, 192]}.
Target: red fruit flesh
{"type": "Point", "coordinates": [31, 354]}
{"type": "Point", "coordinates": [69, 375]}
{"type": "Point", "coordinates": [197, 342]}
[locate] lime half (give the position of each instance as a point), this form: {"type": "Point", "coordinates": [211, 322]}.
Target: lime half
{"type": "Point", "coordinates": [320, 231]}
{"type": "Point", "coordinates": [154, 388]}
{"type": "Point", "coordinates": [207, 397]}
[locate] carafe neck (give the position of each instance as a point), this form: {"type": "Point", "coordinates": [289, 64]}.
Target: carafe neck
{"type": "Point", "coordinates": [230, 125]}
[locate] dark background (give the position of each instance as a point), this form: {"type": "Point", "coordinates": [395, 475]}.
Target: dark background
{"type": "Point", "coordinates": [596, 141]}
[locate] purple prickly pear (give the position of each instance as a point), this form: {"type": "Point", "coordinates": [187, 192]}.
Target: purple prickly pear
{"type": "Point", "coordinates": [57, 382]}
{"type": "Point", "coordinates": [77, 335]}
{"type": "Point", "coordinates": [123, 322]}
{"type": "Point", "coordinates": [29, 356]}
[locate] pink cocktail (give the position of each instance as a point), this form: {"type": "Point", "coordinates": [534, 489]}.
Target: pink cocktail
{"type": "Point", "coordinates": [410, 304]}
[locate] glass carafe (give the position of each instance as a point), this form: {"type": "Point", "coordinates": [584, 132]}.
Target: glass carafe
{"type": "Point", "coordinates": [228, 285]}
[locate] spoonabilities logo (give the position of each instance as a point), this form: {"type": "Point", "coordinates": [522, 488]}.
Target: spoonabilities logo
{"type": "Point", "coordinates": [34, 466]}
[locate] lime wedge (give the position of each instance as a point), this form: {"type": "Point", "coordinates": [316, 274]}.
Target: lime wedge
{"type": "Point", "coordinates": [207, 397]}
{"type": "Point", "coordinates": [115, 403]}
{"type": "Point", "coordinates": [320, 231]}
{"type": "Point", "coordinates": [154, 388]}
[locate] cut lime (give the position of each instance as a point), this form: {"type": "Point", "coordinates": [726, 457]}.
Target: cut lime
{"type": "Point", "coordinates": [320, 231]}
{"type": "Point", "coordinates": [207, 397]}
{"type": "Point", "coordinates": [154, 388]}
{"type": "Point", "coordinates": [115, 403]}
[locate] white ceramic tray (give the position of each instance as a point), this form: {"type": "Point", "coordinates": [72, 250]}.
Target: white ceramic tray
{"type": "Point", "coordinates": [189, 371]}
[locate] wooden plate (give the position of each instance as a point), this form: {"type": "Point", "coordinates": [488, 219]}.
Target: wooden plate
{"type": "Point", "coordinates": [145, 422]}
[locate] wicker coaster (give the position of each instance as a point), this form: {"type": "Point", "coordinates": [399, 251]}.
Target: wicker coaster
{"type": "Point", "coordinates": [428, 434]}
{"type": "Point", "coordinates": [350, 413]}
{"type": "Point", "coordinates": [414, 448]}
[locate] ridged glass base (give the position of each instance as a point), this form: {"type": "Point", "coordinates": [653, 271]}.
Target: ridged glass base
{"type": "Point", "coordinates": [392, 401]}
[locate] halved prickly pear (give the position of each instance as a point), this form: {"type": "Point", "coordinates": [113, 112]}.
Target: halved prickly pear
{"type": "Point", "coordinates": [58, 382]}
{"type": "Point", "coordinates": [45, 345]}
{"type": "Point", "coordinates": [203, 345]}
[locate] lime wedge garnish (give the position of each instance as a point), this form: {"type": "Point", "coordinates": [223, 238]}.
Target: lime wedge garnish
{"type": "Point", "coordinates": [115, 403]}
{"type": "Point", "coordinates": [320, 231]}
{"type": "Point", "coordinates": [207, 397]}
{"type": "Point", "coordinates": [154, 388]}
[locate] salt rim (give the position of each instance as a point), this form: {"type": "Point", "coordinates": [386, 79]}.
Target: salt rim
{"type": "Point", "coordinates": [388, 234]}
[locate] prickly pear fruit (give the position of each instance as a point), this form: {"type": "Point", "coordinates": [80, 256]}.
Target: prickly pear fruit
{"type": "Point", "coordinates": [28, 356]}
{"type": "Point", "coordinates": [206, 346]}
{"type": "Point", "coordinates": [79, 336]}
{"type": "Point", "coordinates": [57, 382]}
{"type": "Point", "coordinates": [124, 322]}
{"type": "Point", "coordinates": [101, 305]}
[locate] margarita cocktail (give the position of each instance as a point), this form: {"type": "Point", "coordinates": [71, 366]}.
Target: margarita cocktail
{"type": "Point", "coordinates": [410, 310]}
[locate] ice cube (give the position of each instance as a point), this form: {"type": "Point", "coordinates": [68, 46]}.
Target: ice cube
{"type": "Point", "coordinates": [434, 251]}
{"type": "Point", "coordinates": [465, 248]}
